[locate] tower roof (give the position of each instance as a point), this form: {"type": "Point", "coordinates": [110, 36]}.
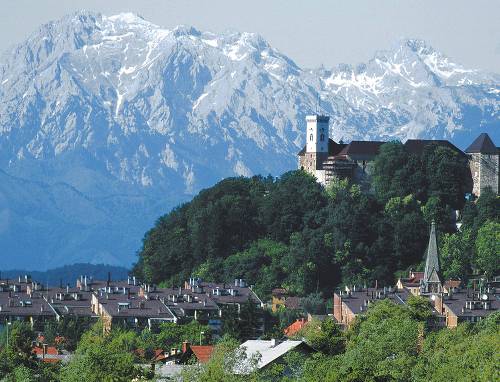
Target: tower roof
{"type": "Point", "coordinates": [431, 271]}
{"type": "Point", "coordinates": [482, 144]}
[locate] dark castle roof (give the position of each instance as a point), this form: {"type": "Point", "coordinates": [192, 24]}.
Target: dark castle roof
{"type": "Point", "coordinates": [333, 148]}
{"type": "Point", "coordinates": [417, 146]}
{"type": "Point", "coordinates": [482, 144]}
{"type": "Point", "coordinates": [367, 150]}
{"type": "Point", "coordinates": [363, 148]}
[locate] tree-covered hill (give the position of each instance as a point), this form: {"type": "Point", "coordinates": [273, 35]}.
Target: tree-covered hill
{"type": "Point", "coordinates": [68, 274]}
{"type": "Point", "coordinates": [291, 232]}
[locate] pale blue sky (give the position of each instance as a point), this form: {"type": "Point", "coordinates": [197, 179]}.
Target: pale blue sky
{"type": "Point", "coordinates": [311, 32]}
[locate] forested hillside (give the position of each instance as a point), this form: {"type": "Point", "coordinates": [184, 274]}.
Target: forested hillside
{"type": "Point", "coordinates": [291, 232]}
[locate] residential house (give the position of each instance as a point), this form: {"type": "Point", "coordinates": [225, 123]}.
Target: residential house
{"type": "Point", "coordinates": [260, 354]}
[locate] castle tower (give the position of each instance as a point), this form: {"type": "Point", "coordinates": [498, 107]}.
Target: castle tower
{"type": "Point", "coordinates": [316, 152]}
{"type": "Point", "coordinates": [317, 134]}
{"type": "Point", "coordinates": [484, 164]}
{"type": "Point", "coordinates": [431, 282]}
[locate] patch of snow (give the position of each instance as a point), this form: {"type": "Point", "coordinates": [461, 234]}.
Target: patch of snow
{"type": "Point", "coordinates": [127, 70]}
{"type": "Point", "coordinates": [200, 98]}
{"type": "Point", "coordinates": [116, 38]}
{"type": "Point", "coordinates": [213, 42]}
{"type": "Point", "coordinates": [241, 170]}
{"type": "Point", "coordinates": [189, 178]}
{"type": "Point", "coordinates": [119, 100]}
{"type": "Point", "coordinates": [167, 157]}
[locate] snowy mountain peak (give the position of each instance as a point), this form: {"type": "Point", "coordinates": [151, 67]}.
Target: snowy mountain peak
{"type": "Point", "coordinates": [129, 18]}
{"type": "Point", "coordinates": [113, 107]}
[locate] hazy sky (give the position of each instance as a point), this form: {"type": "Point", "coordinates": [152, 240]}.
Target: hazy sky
{"type": "Point", "coordinates": [311, 32]}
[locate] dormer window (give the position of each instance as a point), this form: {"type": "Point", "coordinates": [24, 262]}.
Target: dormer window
{"type": "Point", "coordinates": [311, 137]}
{"type": "Point", "coordinates": [322, 137]}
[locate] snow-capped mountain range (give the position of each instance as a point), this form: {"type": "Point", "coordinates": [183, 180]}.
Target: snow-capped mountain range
{"type": "Point", "coordinates": [106, 122]}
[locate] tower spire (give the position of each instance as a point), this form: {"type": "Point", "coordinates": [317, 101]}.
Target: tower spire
{"type": "Point", "coordinates": [431, 282]}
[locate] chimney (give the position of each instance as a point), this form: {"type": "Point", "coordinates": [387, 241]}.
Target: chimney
{"type": "Point", "coordinates": [128, 280]}
{"type": "Point", "coordinates": [185, 346]}
{"type": "Point", "coordinates": [134, 281]}
{"type": "Point", "coordinates": [109, 279]}
{"type": "Point", "coordinates": [67, 288]}
{"type": "Point", "coordinates": [44, 350]}
{"type": "Point", "coordinates": [273, 342]}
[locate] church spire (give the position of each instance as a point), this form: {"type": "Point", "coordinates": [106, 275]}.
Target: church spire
{"type": "Point", "coordinates": [431, 282]}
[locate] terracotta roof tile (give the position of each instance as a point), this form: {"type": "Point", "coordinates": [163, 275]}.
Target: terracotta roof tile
{"type": "Point", "coordinates": [203, 353]}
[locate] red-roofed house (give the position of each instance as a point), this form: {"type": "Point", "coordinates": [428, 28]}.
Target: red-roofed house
{"type": "Point", "coordinates": [295, 327]}
{"type": "Point", "coordinates": [202, 353]}
{"type": "Point", "coordinates": [411, 283]}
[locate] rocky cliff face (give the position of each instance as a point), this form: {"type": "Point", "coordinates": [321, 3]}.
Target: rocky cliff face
{"type": "Point", "coordinates": [106, 122]}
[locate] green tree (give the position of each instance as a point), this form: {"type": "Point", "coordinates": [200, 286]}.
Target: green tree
{"type": "Point", "coordinates": [487, 258]}
{"type": "Point", "coordinates": [172, 335]}
{"type": "Point", "coordinates": [456, 254]}
{"type": "Point", "coordinates": [326, 336]}
{"type": "Point", "coordinates": [101, 357]}
{"type": "Point", "coordinates": [465, 353]}
{"type": "Point", "coordinates": [389, 172]}
{"type": "Point", "coordinates": [448, 175]}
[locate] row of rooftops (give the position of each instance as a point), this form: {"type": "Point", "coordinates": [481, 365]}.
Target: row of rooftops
{"type": "Point", "coordinates": [125, 298]}
{"type": "Point", "coordinates": [465, 304]}
{"type": "Point", "coordinates": [367, 150]}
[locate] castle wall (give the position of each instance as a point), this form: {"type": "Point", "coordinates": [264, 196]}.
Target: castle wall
{"type": "Point", "coordinates": [311, 162]}
{"type": "Point", "coordinates": [485, 172]}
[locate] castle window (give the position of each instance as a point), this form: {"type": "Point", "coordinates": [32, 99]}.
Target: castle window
{"type": "Point", "coordinates": [311, 137]}
{"type": "Point", "coordinates": [322, 137]}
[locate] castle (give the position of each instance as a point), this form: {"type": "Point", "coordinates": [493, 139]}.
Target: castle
{"type": "Point", "coordinates": [326, 159]}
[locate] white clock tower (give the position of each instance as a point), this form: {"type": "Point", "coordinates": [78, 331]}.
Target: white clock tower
{"type": "Point", "coordinates": [317, 134]}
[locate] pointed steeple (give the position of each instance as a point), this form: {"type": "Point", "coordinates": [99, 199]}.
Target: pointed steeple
{"type": "Point", "coordinates": [431, 281]}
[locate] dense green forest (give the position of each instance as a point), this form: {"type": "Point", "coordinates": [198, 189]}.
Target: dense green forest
{"type": "Point", "coordinates": [291, 232]}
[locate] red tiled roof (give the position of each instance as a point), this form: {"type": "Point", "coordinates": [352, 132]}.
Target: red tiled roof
{"type": "Point", "coordinates": [203, 353]}
{"type": "Point", "coordinates": [159, 355]}
{"type": "Point", "coordinates": [51, 350]}
{"type": "Point", "coordinates": [295, 327]}
{"type": "Point", "coordinates": [417, 276]}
